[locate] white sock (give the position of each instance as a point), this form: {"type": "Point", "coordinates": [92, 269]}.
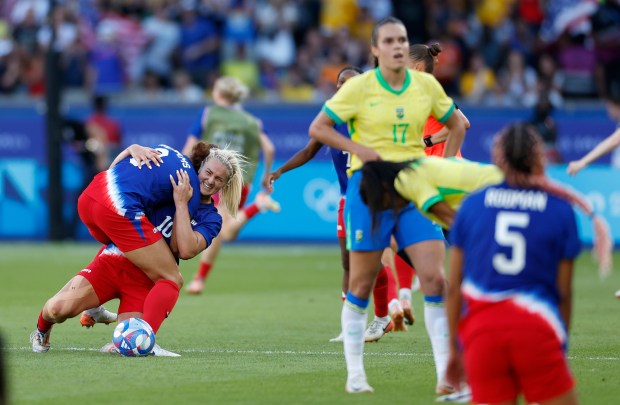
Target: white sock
{"type": "Point", "coordinates": [404, 294]}
{"type": "Point", "coordinates": [353, 326]}
{"type": "Point", "coordinates": [436, 321]}
{"type": "Point", "coordinates": [394, 306]}
{"type": "Point", "coordinates": [384, 320]}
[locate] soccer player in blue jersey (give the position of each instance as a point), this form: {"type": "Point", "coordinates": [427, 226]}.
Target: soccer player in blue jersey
{"type": "Point", "coordinates": [439, 186]}
{"type": "Point", "coordinates": [511, 267]}
{"type": "Point", "coordinates": [386, 109]}
{"type": "Point", "coordinates": [111, 274]}
{"type": "Point", "coordinates": [114, 205]}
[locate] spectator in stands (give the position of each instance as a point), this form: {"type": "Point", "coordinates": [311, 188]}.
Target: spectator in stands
{"type": "Point", "coordinates": [199, 45]}
{"type": "Point", "coordinates": [242, 66]}
{"type": "Point", "coordinates": [9, 61]}
{"type": "Point", "coordinates": [164, 36]}
{"type": "Point", "coordinates": [184, 90]}
{"type": "Point", "coordinates": [543, 122]}
{"type": "Point", "coordinates": [294, 88]}
{"type": "Point", "coordinates": [550, 81]}
{"type": "Point", "coordinates": [517, 82]}
{"type": "Point", "coordinates": [338, 14]}
{"type": "Point", "coordinates": [105, 74]}
{"type": "Point", "coordinates": [275, 41]}
{"type": "Point", "coordinates": [238, 32]}
{"type": "Point", "coordinates": [606, 35]}
{"type": "Point", "coordinates": [576, 62]}
{"type": "Point", "coordinates": [478, 81]}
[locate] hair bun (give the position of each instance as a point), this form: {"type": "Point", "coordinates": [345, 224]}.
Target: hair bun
{"type": "Point", "coordinates": [434, 49]}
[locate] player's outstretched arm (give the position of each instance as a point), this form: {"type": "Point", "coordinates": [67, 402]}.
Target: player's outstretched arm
{"type": "Point", "coordinates": [300, 158]}
{"type": "Point", "coordinates": [269, 151]}
{"type": "Point", "coordinates": [603, 148]}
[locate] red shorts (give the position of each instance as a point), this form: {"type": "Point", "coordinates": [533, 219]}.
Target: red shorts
{"type": "Point", "coordinates": [107, 226]}
{"type": "Point", "coordinates": [523, 355]}
{"type": "Point", "coordinates": [114, 276]}
{"type": "Point", "coordinates": [244, 196]}
{"type": "Point", "coordinates": [341, 232]}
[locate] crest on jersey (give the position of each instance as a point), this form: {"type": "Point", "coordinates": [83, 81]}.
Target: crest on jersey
{"type": "Point", "coordinates": [400, 112]}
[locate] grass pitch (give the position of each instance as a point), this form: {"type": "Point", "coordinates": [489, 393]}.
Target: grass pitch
{"type": "Point", "coordinates": [258, 335]}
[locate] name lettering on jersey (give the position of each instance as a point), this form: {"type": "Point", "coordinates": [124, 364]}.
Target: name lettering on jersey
{"type": "Point", "coordinates": [374, 103]}
{"type": "Point", "coordinates": [516, 199]}
{"type": "Point", "coordinates": [181, 157]}
{"type": "Point", "coordinates": [400, 112]}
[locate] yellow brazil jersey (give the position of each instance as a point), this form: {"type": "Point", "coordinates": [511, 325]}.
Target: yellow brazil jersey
{"type": "Point", "coordinates": [433, 179]}
{"type": "Point", "coordinates": [388, 121]}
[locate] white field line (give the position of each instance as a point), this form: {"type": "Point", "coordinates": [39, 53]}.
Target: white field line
{"type": "Point", "coordinates": [292, 353]}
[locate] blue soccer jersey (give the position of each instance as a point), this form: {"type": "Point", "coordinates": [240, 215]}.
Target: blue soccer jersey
{"type": "Point", "coordinates": [512, 241]}
{"type": "Point", "coordinates": [207, 221]}
{"type": "Point", "coordinates": [132, 191]}
{"type": "Point", "coordinates": [342, 161]}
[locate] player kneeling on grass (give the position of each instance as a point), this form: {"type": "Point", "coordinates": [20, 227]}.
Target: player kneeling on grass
{"type": "Point", "coordinates": [111, 275]}
{"type": "Point", "coordinates": [514, 245]}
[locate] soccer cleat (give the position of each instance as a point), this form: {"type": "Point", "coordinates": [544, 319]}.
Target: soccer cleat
{"type": "Point", "coordinates": [264, 202]}
{"type": "Point", "coordinates": [358, 385]}
{"type": "Point", "coordinates": [40, 341]}
{"type": "Point", "coordinates": [377, 329]}
{"type": "Point", "coordinates": [463, 396]}
{"type": "Point", "coordinates": [444, 389]}
{"type": "Point", "coordinates": [196, 286]}
{"type": "Point", "coordinates": [407, 311]}
{"type": "Point", "coordinates": [399, 322]}
{"type": "Point", "coordinates": [337, 339]}
{"type": "Point", "coordinates": [97, 315]}
{"type": "Point", "coordinates": [159, 352]}
{"type": "Point", "coordinates": [109, 348]}
{"type": "Point", "coordinates": [618, 294]}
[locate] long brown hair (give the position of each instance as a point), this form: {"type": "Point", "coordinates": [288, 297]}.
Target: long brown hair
{"type": "Point", "coordinates": [519, 152]}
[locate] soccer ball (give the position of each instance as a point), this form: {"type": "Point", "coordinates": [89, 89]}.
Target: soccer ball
{"type": "Point", "coordinates": [134, 337]}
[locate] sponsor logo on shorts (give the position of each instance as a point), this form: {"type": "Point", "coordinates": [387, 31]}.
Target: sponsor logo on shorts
{"type": "Point", "coordinates": [359, 235]}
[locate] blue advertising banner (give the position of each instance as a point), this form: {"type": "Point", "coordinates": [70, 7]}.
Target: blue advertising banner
{"type": "Point", "coordinates": [309, 195]}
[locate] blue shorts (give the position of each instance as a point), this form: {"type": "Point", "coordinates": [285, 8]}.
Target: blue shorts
{"type": "Point", "coordinates": [408, 227]}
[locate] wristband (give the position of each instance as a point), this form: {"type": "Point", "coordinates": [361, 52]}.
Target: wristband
{"type": "Point", "coordinates": [428, 142]}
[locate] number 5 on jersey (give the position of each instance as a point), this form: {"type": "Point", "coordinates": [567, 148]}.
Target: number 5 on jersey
{"type": "Point", "coordinates": [512, 238]}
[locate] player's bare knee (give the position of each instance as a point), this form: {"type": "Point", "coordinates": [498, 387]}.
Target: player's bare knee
{"type": "Point", "coordinates": [57, 311]}
{"type": "Point", "coordinates": [432, 284]}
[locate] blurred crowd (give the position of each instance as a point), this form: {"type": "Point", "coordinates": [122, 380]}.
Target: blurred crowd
{"type": "Point", "coordinates": [495, 52]}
